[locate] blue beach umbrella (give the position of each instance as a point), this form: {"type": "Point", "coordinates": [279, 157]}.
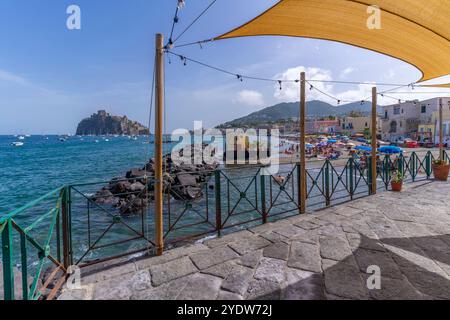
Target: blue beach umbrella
{"type": "Point", "coordinates": [332, 141]}
{"type": "Point", "coordinates": [309, 146]}
{"type": "Point", "coordinates": [390, 150]}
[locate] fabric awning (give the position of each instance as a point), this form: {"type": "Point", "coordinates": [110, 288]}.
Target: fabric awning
{"type": "Point", "coordinates": [415, 31]}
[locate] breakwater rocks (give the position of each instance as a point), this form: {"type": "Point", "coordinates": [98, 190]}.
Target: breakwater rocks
{"type": "Point", "coordinates": [135, 191]}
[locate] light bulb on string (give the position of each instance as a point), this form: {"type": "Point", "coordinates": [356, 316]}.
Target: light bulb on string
{"type": "Point", "coordinates": [280, 83]}
{"type": "Point", "coordinates": [339, 102]}
{"type": "Point", "coordinates": [239, 77]}
{"type": "Point", "coordinates": [311, 87]}
{"type": "Point", "coordinates": [181, 4]}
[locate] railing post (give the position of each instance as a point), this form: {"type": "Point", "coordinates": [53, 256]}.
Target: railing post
{"type": "Point", "coordinates": [263, 198]}
{"type": "Point", "coordinates": [302, 168]}
{"type": "Point", "coordinates": [327, 183]}
{"type": "Point", "coordinates": [351, 164]}
{"type": "Point", "coordinates": [8, 260]}
{"type": "Point", "coordinates": [66, 230]}
{"type": "Point", "coordinates": [428, 164]}
{"type": "Point", "coordinates": [413, 164]}
{"type": "Point", "coordinates": [387, 171]}
{"type": "Point", "coordinates": [400, 164]}
{"type": "Point", "coordinates": [369, 174]}
{"type": "Point", "coordinates": [218, 201]}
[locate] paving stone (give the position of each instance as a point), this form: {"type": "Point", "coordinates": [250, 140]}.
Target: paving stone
{"type": "Point", "coordinates": [279, 250]}
{"type": "Point", "coordinates": [365, 258]}
{"type": "Point", "coordinates": [359, 241]}
{"type": "Point", "coordinates": [108, 274]}
{"type": "Point", "coordinates": [394, 289]}
{"type": "Point", "coordinates": [225, 295]}
{"type": "Point", "coordinates": [304, 256]}
{"type": "Point", "coordinates": [122, 288]}
{"type": "Point", "coordinates": [170, 255]}
{"type": "Point", "coordinates": [307, 225]}
{"type": "Point", "coordinates": [303, 285]}
{"type": "Point", "coordinates": [225, 240]}
{"type": "Point", "coordinates": [249, 244]}
{"type": "Point", "coordinates": [206, 259]}
{"type": "Point", "coordinates": [221, 270]}
{"type": "Point", "coordinates": [274, 237]}
{"type": "Point", "coordinates": [271, 270]}
{"type": "Point", "coordinates": [238, 280]}
{"type": "Point", "coordinates": [166, 291]}
{"type": "Point", "coordinates": [251, 260]}
{"type": "Point", "coordinates": [201, 287]}
{"type": "Point", "coordinates": [344, 280]}
{"type": "Point", "coordinates": [310, 236]}
{"type": "Point", "coordinates": [289, 231]}
{"type": "Point", "coordinates": [334, 248]}
{"type": "Point", "coordinates": [263, 290]}
{"type": "Point", "coordinates": [77, 294]}
{"type": "Point", "coordinates": [171, 270]}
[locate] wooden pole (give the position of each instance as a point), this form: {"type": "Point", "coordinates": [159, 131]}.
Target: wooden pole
{"type": "Point", "coordinates": [374, 141]}
{"type": "Point", "coordinates": [159, 105]}
{"type": "Point", "coordinates": [302, 184]}
{"type": "Point", "coordinates": [441, 132]}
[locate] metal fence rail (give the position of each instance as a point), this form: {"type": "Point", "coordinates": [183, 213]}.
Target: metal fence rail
{"type": "Point", "coordinates": [76, 225]}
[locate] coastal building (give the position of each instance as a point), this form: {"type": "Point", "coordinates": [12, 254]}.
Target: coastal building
{"type": "Point", "coordinates": [357, 125]}
{"type": "Point", "coordinates": [411, 119]}
{"type": "Point", "coordinates": [322, 126]}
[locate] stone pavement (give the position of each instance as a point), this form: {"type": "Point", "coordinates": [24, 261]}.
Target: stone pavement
{"type": "Point", "coordinates": [324, 255]}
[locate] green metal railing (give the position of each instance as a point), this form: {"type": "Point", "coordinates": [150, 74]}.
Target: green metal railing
{"type": "Point", "coordinates": [74, 225]}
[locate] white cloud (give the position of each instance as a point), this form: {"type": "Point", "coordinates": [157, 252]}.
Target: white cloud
{"type": "Point", "coordinates": [10, 77]}
{"type": "Point", "coordinates": [290, 90]}
{"type": "Point", "coordinates": [250, 98]}
{"type": "Point", "coordinates": [346, 72]}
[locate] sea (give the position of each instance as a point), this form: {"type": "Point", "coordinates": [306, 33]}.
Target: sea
{"type": "Point", "coordinates": [45, 163]}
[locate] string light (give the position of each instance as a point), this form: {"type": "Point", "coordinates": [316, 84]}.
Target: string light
{"type": "Point", "coordinates": [280, 82]}
{"type": "Point", "coordinates": [181, 4]}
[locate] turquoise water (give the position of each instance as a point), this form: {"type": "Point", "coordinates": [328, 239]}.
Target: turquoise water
{"type": "Point", "coordinates": [42, 165]}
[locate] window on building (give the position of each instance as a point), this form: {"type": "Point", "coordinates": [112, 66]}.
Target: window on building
{"type": "Point", "coordinates": [385, 114]}
{"type": "Point", "coordinates": [397, 110]}
{"type": "Point", "coordinates": [423, 109]}
{"type": "Point", "coordinates": [401, 124]}
{"type": "Point", "coordinates": [366, 124]}
{"type": "Point", "coordinates": [402, 111]}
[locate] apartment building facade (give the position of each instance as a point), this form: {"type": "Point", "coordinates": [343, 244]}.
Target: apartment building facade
{"type": "Point", "coordinates": [412, 119]}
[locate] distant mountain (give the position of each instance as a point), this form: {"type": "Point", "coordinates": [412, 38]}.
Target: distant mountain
{"type": "Point", "coordinates": [314, 109]}
{"type": "Point", "coordinates": [101, 123]}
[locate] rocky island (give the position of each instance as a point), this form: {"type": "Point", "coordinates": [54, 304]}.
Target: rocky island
{"type": "Point", "coordinates": [102, 123]}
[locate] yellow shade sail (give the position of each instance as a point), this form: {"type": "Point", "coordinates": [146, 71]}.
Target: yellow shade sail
{"type": "Point", "coordinates": [415, 31]}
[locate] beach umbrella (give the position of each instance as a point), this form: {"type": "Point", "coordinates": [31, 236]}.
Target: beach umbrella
{"type": "Point", "coordinates": [331, 141]}
{"type": "Point", "coordinates": [390, 150]}
{"type": "Point", "coordinates": [363, 148]}
{"type": "Point", "coordinates": [309, 146]}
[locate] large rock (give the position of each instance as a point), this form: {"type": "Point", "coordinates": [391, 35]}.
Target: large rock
{"type": "Point", "coordinates": [104, 123]}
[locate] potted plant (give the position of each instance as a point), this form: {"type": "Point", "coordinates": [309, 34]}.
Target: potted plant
{"type": "Point", "coordinates": [441, 170]}
{"type": "Point", "coordinates": [397, 181]}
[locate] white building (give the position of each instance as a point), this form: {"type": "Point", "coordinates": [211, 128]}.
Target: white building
{"type": "Point", "coordinates": [402, 120]}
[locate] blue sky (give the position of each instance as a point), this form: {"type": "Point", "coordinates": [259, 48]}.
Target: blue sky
{"type": "Point", "coordinates": [52, 77]}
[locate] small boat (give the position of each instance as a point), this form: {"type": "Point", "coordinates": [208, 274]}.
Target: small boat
{"type": "Point", "coordinates": [96, 141]}
{"type": "Point", "coordinates": [21, 138]}
{"type": "Point", "coordinates": [27, 135]}
{"type": "Point", "coordinates": [17, 144]}
{"type": "Point", "coordinates": [62, 139]}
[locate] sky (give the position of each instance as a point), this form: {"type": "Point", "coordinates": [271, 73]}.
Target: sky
{"type": "Point", "coordinates": [52, 77]}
